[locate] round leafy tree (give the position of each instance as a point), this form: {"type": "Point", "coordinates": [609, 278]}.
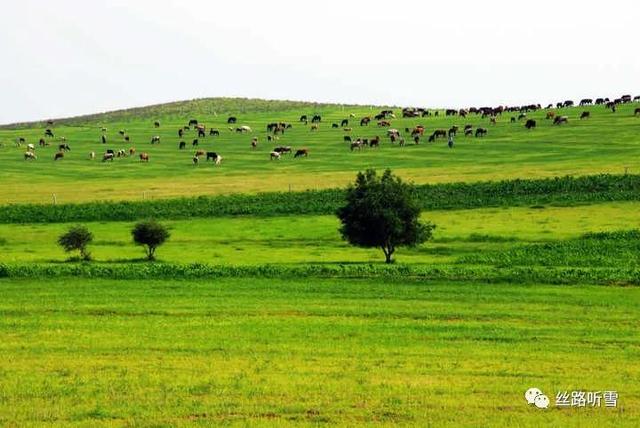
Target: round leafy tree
{"type": "Point", "coordinates": [382, 212]}
{"type": "Point", "coordinates": [150, 234]}
{"type": "Point", "coordinates": [77, 238]}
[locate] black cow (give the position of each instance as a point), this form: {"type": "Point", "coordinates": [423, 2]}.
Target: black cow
{"type": "Point", "coordinates": [48, 133]}
{"type": "Point", "coordinates": [232, 119]}
{"type": "Point", "coordinates": [345, 122]}
{"type": "Point", "coordinates": [559, 120]}
{"type": "Point", "coordinates": [530, 124]}
{"type": "Point", "coordinates": [182, 145]}
{"type": "Point", "coordinates": [214, 132]}
{"type": "Point", "coordinates": [193, 122]}
{"type": "Point", "coordinates": [481, 132]}
{"type": "Point", "coordinates": [585, 115]}
{"type": "Point", "coordinates": [282, 149]}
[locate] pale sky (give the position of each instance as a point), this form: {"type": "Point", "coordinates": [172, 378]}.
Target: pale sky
{"type": "Point", "coordinates": [70, 57]}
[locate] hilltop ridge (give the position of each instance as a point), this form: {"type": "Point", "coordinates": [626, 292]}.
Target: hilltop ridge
{"type": "Point", "coordinates": [182, 109]}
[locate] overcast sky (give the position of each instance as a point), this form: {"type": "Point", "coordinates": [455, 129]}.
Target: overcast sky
{"type": "Point", "coordinates": [69, 57]}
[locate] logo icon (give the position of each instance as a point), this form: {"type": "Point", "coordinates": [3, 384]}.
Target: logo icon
{"type": "Point", "coordinates": [536, 397]}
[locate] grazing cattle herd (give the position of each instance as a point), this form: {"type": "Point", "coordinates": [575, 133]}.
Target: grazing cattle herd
{"type": "Point", "coordinates": [383, 119]}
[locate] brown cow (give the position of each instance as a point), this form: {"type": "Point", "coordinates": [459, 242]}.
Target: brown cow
{"type": "Point", "coordinates": [551, 114]}
{"type": "Point", "coordinates": [132, 151]}
{"type": "Point", "coordinates": [301, 152]}
{"type": "Point", "coordinates": [59, 155]}
{"type": "Point", "coordinates": [144, 157]}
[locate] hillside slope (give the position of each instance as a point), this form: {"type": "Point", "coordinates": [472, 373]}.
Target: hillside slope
{"type": "Point", "coordinates": [182, 109]}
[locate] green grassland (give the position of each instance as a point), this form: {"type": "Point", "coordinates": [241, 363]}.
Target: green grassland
{"type": "Point", "coordinates": [315, 239]}
{"type": "Point", "coordinates": [258, 313]}
{"type": "Point", "coordinates": [289, 352]}
{"type": "Point", "coordinates": [605, 143]}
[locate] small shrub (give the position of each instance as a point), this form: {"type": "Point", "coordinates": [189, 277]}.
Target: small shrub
{"type": "Point", "coordinates": [151, 235]}
{"type": "Point", "coordinates": [77, 238]}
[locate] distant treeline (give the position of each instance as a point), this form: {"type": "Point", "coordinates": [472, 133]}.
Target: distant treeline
{"type": "Point", "coordinates": [556, 191]}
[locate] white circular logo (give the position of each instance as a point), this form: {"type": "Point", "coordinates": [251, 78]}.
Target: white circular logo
{"type": "Point", "coordinates": [541, 401]}
{"type": "Point", "coordinates": [531, 395]}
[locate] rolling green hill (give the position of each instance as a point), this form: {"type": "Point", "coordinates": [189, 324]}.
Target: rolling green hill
{"type": "Point", "coordinates": [605, 143]}
{"type": "Point", "coordinates": [181, 109]}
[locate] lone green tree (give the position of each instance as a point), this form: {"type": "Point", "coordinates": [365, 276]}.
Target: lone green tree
{"type": "Point", "coordinates": [382, 212]}
{"type": "Point", "coordinates": [77, 238]}
{"type": "Point", "coordinates": [151, 235]}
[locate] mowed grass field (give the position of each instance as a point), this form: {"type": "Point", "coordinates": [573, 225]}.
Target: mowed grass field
{"type": "Point", "coordinates": [605, 143]}
{"type": "Point", "coordinates": [313, 352]}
